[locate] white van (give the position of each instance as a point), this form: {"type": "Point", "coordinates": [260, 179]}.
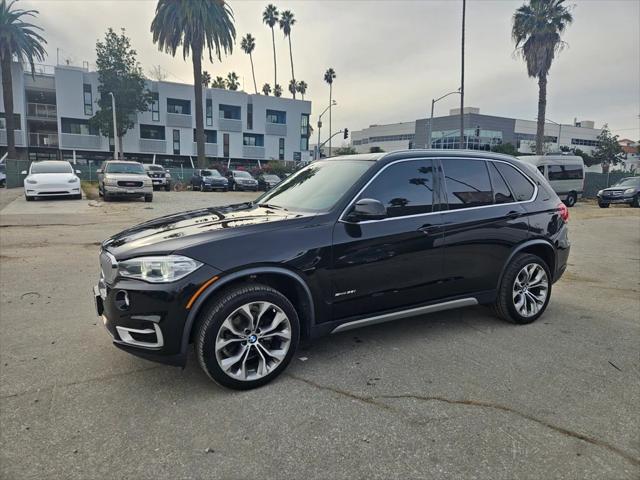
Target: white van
{"type": "Point", "coordinates": [565, 174]}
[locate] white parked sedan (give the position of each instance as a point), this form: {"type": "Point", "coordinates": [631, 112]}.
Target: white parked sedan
{"type": "Point", "coordinates": [51, 179]}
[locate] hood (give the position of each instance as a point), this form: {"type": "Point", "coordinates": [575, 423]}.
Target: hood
{"type": "Point", "coordinates": [51, 177]}
{"type": "Point", "coordinates": [182, 230]}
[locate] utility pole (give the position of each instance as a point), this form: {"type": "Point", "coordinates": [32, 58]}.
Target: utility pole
{"type": "Point", "coordinates": [464, 8]}
{"type": "Point", "coordinates": [116, 155]}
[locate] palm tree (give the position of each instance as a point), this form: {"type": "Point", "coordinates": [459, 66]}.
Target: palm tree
{"type": "Point", "coordinates": [206, 24]}
{"type": "Point", "coordinates": [270, 17]}
{"type": "Point", "coordinates": [232, 81]}
{"type": "Point", "coordinates": [18, 39]}
{"type": "Point", "coordinates": [248, 45]}
{"type": "Point", "coordinates": [302, 88]}
{"type": "Point", "coordinates": [537, 27]}
{"type": "Point", "coordinates": [219, 82]}
{"type": "Point", "coordinates": [286, 22]}
{"type": "Point", "coordinates": [277, 90]}
{"type": "Point", "coordinates": [293, 87]}
{"type": "Point", "coordinates": [266, 89]}
{"type": "Point", "coordinates": [329, 76]}
{"type": "Point", "coordinates": [206, 79]}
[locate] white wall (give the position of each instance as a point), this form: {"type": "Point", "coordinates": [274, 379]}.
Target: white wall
{"type": "Point", "coordinates": [565, 134]}
{"type": "Point", "coordinates": [404, 128]}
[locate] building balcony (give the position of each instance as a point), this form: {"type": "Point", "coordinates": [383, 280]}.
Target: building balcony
{"type": "Point", "coordinates": [80, 141]}
{"type": "Point", "coordinates": [44, 140]}
{"type": "Point", "coordinates": [42, 111]}
{"type": "Point", "coordinates": [17, 135]}
{"type": "Point", "coordinates": [179, 120]}
{"type": "Point", "coordinates": [249, 151]}
{"type": "Point", "coordinates": [279, 129]}
{"type": "Point", "coordinates": [148, 145]}
{"type": "Point", "coordinates": [210, 149]}
{"type": "Point", "coordinates": [230, 124]}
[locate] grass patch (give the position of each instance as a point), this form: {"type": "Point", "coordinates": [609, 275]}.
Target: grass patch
{"type": "Point", "coordinates": [90, 189]}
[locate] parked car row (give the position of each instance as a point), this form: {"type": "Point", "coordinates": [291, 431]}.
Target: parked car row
{"type": "Point", "coordinates": [209, 179]}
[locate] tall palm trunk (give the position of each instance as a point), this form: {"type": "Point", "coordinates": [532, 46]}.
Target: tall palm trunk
{"type": "Point", "coordinates": [275, 68]}
{"type": "Point", "coordinates": [542, 111]}
{"type": "Point", "coordinates": [7, 94]}
{"type": "Point", "coordinates": [253, 73]}
{"type": "Point", "coordinates": [197, 87]}
{"type": "Point", "coordinates": [293, 77]}
{"type": "Point", "coordinates": [330, 109]}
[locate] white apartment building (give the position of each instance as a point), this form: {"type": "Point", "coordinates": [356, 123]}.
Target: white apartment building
{"type": "Point", "coordinates": [53, 109]}
{"type": "Point", "coordinates": [390, 137]}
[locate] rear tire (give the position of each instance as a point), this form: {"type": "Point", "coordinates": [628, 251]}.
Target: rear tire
{"type": "Point", "coordinates": [226, 333]}
{"type": "Point", "coordinates": [571, 199]}
{"type": "Point", "coordinates": [603, 205]}
{"type": "Point", "coordinates": [525, 290]}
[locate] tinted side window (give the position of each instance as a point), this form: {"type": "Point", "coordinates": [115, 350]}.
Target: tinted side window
{"type": "Point", "coordinates": [467, 183]}
{"type": "Point", "coordinates": [521, 187]}
{"type": "Point", "coordinates": [501, 192]}
{"type": "Point", "coordinates": [405, 188]}
{"type": "Point", "coordinates": [565, 172]}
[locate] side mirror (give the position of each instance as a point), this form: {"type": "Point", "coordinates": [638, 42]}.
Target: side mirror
{"type": "Point", "coordinates": [23, 172]}
{"type": "Point", "coordinates": [368, 209]}
{"type": "Point", "coordinates": [78, 171]}
{"type": "Point", "coordinates": [98, 171]}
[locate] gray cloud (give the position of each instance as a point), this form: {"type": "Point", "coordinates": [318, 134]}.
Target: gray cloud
{"type": "Point", "coordinates": [391, 58]}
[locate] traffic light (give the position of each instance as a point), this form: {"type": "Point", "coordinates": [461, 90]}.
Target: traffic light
{"type": "Point", "coordinates": [478, 131]}
{"type": "Point", "coordinates": [346, 133]}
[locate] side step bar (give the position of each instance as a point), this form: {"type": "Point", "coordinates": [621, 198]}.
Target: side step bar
{"type": "Point", "coordinates": [412, 312]}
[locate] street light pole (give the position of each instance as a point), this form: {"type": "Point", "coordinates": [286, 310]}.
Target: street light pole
{"type": "Point", "coordinates": [333, 103]}
{"type": "Point", "coordinates": [433, 102]}
{"type": "Point", "coordinates": [464, 8]}
{"type": "Point", "coordinates": [116, 153]}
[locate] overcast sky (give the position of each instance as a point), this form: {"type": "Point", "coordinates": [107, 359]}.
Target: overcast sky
{"type": "Point", "coordinates": [392, 57]}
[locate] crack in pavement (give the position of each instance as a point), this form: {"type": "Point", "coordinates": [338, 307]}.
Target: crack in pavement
{"type": "Point", "coordinates": [372, 400]}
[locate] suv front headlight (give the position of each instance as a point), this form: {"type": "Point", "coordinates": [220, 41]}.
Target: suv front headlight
{"type": "Point", "coordinates": [629, 191]}
{"type": "Point", "coordinates": [162, 269]}
{"type": "Point", "coordinates": [110, 181]}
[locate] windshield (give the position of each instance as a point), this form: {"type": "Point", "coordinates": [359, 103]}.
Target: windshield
{"type": "Point", "coordinates": [51, 167]}
{"type": "Point", "coordinates": [211, 173]}
{"type": "Point", "coordinates": [629, 182]}
{"type": "Point", "coordinates": [271, 178]}
{"type": "Point", "coordinates": [134, 168]}
{"type": "Point", "coordinates": [241, 174]}
{"type": "Point", "coordinates": [317, 187]}
{"type": "Point", "coordinates": [157, 168]}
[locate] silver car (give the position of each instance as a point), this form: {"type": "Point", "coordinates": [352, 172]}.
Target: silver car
{"type": "Point", "coordinates": [119, 178]}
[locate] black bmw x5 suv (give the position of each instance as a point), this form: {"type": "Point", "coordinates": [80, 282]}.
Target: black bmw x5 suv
{"type": "Point", "coordinates": [343, 243]}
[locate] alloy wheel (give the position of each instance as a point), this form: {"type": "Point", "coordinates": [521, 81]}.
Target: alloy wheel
{"type": "Point", "coordinates": [253, 340]}
{"type": "Point", "coordinates": [530, 289]}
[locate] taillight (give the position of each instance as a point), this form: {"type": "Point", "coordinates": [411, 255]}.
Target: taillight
{"type": "Point", "coordinates": [563, 211]}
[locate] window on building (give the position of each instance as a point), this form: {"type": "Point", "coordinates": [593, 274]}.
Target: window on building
{"type": "Point", "coordinates": [16, 121]}
{"type": "Point", "coordinates": [281, 149]}
{"type": "Point", "coordinates": [231, 112]}
{"type": "Point", "coordinates": [276, 116]}
{"type": "Point", "coordinates": [77, 126]}
{"type": "Point", "coordinates": [304, 144]}
{"type": "Point", "coordinates": [250, 116]}
{"type": "Point", "coordinates": [225, 145]}
{"type": "Point", "coordinates": [467, 183]}
{"type": "Point", "coordinates": [181, 107]}
{"type": "Point", "coordinates": [209, 112]}
{"type": "Point", "coordinates": [582, 141]}
{"type": "Point", "coordinates": [501, 192]}
{"type": "Point", "coordinates": [88, 99]}
{"type": "Point", "coordinates": [155, 107]}
{"type": "Point", "coordinates": [151, 132]}
{"type": "Point", "coordinates": [405, 188]}
{"type": "Point", "coordinates": [565, 172]}
{"type": "Point", "coordinates": [253, 140]}
{"type": "Point", "coordinates": [210, 136]}
{"type": "Point", "coordinates": [521, 187]}
{"type": "Point", "coordinates": [176, 142]}
{"type": "Point", "coordinates": [304, 125]}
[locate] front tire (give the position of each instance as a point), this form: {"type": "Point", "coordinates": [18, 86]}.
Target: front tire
{"type": "Point", "coordinates": [603, 205]}
{"type": "Point", "coordinates": [525, 290]}
{"type": "Point", "coordinates": [148, 198]}
{"type": "Point", "coordinates": [247, 336]}
{"type": "Point", "coordinates": [29, 199]}
{"type": "Point", "coordinates": [636, 201]}
{"type": "Point", "coordinates": [571, 199]}
{"type": "Point", "coordinates": [167, 188]}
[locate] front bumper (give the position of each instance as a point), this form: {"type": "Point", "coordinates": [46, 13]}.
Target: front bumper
{"type": "Point", "coordinates": [51, 190]}
{"type": "Point", "coordinates": [246, 186]}
{"type": "Point", "coordinates": [128, 191]}
{"type": "Point", "coordinates": [214, 186]}
{"type": "Point", "coordinates": [151, 323]}
{"type": "Point", "coordinates": [617, 199]}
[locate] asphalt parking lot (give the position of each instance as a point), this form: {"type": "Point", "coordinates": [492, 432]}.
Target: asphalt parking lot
{"type": "Point", "coordinates": [455, 394]}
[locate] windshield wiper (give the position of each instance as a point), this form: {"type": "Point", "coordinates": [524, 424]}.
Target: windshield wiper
{"type": "Point", "coordinates": [273, 207]}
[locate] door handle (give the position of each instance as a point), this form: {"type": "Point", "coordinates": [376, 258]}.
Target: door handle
{"type": "Point", "coordinates": [513, 214]}
{"type": "Point", "coordinates": [430, 229]}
